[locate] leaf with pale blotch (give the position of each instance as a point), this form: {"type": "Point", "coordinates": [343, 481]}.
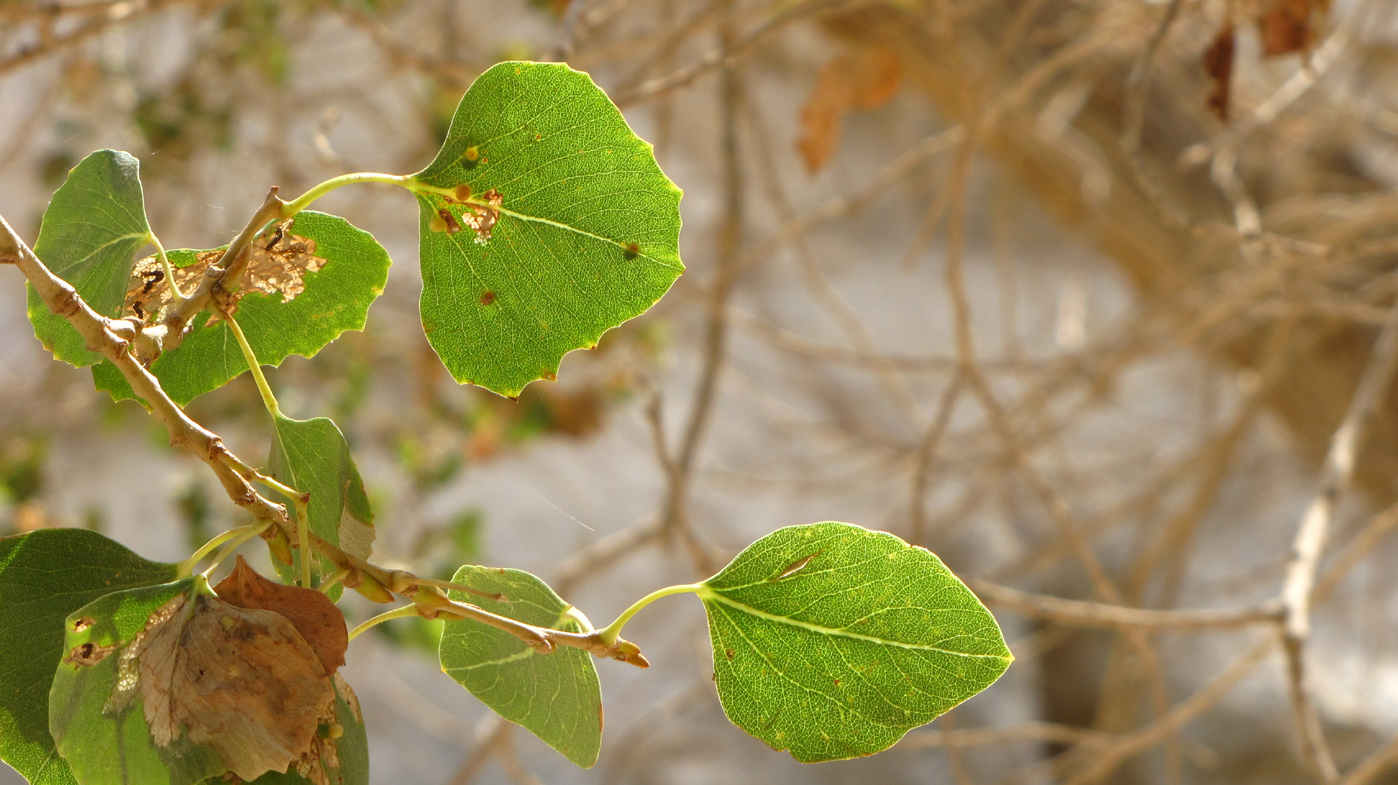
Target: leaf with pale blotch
{"type": "Point", "coordinates": [313, 457]}
{"type": "Point", "coordinates": [316, 283]}
{"type": "Point", "coordinates": [832, 641]}
{"type": "Point", "coordinates": [44, 576]}
{"type": "Point", "coordinates": [555, 696]}
{"type": "Point", "coordinates": [564, 228]}
{"type": "Point", "coordinates": [313, 614]}
{"type": "Point", "coordinates": [89, 237]}
{"type": "Point", "coordinates": [172, 685]}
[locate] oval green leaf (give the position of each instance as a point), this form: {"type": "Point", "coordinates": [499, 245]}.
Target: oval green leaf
{"type": "Point", "coordinates": [44, 576]}
{"type": "Point", "coordinates": [313, 457]}
{"type": "Point", "coordinates": [353, 270]}
{"type": "Point", "coordinates": [91, 231]}
{"type": "Point", "coordinates": [555, 696]}
{"type": "Point", "coordinates": [832, 641]}
{"type": "Point", "coordinates": [570, 229]}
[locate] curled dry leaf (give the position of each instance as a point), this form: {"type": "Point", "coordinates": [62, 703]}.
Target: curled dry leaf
{"type": "Point", "coordinates": [319, 762]}
{"type": "Point", "coordinates": [1285, 25]}
{"type": "Point", "coordinates": [1218, 62]}
{"type": "Point", "coordinates": [859, 79]}
{"type": "Point", "coordinates": [241, 682]}
{"type": "Point", "coordinates": [312, 613]}
{"type": "Point", "coordinates": [278, 265]}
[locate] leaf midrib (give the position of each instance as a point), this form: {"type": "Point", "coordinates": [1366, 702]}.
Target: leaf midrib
{"type": "Point", "coordinates": [710, 595]}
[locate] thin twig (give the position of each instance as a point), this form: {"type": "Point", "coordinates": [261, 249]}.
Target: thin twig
{"type": "Point", "coordinates": [1309, 544]}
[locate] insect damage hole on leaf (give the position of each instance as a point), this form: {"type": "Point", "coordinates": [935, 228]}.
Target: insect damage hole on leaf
{"type": "Point", "coordinates": [278, 264]}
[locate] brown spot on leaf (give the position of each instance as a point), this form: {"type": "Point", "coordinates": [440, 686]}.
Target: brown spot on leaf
{"type": "Point", "coordinates": [88, 654]}
{"type": "Point", "coordinates": [487, 297]}
{"type": "Point", "coordinates": [242, 682]}
{"type": "Point", "coordinates": [729, 654]}
{"type": "Point", "coordinates": [1218, 62]}
{"type": "Point", "coordinates": [82, 624]}
{"type": "Point", "coordinates": [448, 221]}
{"type": "Point", "coordinates": [859, 79]}
{"type": "Point", "coordinates": [462, 192]}
{"type": "Point", "coordinates": [313, 614]}
{"type": "Point", "coordinates": [631, 251]}
{"type": "Point", "coordinates": [482, 218]}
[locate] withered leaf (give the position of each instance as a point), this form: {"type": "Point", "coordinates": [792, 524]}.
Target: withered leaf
{"type": "Point", "coordinates": [859, 79]}
{"type": "Point", "coordinates": [278, 264]}
{"type": "Point", "coordinates": [1285, 25]}
{"type": "Point", "coordinates": [241, 682]}
{"type": "Point", "coordinates": [323, 758]}
{"type": "Point", "coordinates": [1218, 62]}
{"type": "Point", "coordinates": [312, 613]}
{"type": "Point", "coordinates": [482, 219]}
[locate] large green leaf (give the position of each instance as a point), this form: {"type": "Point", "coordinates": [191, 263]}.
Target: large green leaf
{"type": "Point", "coordinates": [336, 298]}
{"type": "Point", "coordinates": [44, 576]}
{"type": "Point", "coordinates": [587, 233]}
{"type": "Point", "coordinates": [89, 237]}
{"type": "Point", "coordinates": [555, 696]}
{"type": "Point", "coordinates": [313, 457]}
{"type": "Point", "coordinates": [833, 641]}
{"type": "Point", "coordinates": [106, 745]}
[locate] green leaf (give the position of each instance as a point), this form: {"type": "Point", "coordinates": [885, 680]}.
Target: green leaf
{"type": "Point", "coordinates": [44, 576]}
{"type": "Point", "coordinates": [555, 696]}
{"type": "Point", "coordinates": [336, 299]}
{"type": "Point", "coordinates": [349, 765]}
{"type": "Point", "coordinates": [89, 237]}
{"type": "Point", "coordinates": [833, 641]}
{"type": "Point", "coordinates": [587, 233]}
{"type": "Point", "coordinates": [108, 744]}
{"type": "Point", "coordinates": [313, 457]}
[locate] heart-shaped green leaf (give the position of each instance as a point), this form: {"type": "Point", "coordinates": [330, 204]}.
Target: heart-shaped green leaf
{"type": "Point", "coordinates": [832, 641]}
{"type": "Point", "coordinates": [568, 226]}
{"type": "Point", "coordinates": [313, 457]}
{"type": "Point", "coordinates": [44, 576]}
{"type": "Point", "coordinates": [351, 269]}
{"type": "Point", "coordinates": [555, 696]}
{"type": "Point", "coordinates": [89, 237]}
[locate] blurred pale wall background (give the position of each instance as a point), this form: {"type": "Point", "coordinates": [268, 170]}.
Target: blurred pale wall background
{"type": "Point", "coordinates": [1000, 279]}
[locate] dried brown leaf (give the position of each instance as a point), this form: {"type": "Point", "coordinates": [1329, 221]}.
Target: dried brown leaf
{"type": "Point", "coordinates": [1285, 25]}
{"type": "Point", "coordinates": [312, 613]}
{"type": "Point", "coordinates": [858, 79]}
{"type": "Point", "coordinates": [1218, 62]}
{"type": "Point", "coordinates": [242, 682]}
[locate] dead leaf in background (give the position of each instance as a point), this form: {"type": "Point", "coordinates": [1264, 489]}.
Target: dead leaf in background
{"type": "Point", "coordinates": [278, 265]}
{"type": "Point", "coordinates": [241, 682]}
{"type": "Point", "coordinates": [859, 79]}
{"type": "Point", "coordinates": [1285, 25]}
{"type": "Point", "coordinates": [1218, 62]}
{"type": "Point", "coordinates": [312, 613]}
